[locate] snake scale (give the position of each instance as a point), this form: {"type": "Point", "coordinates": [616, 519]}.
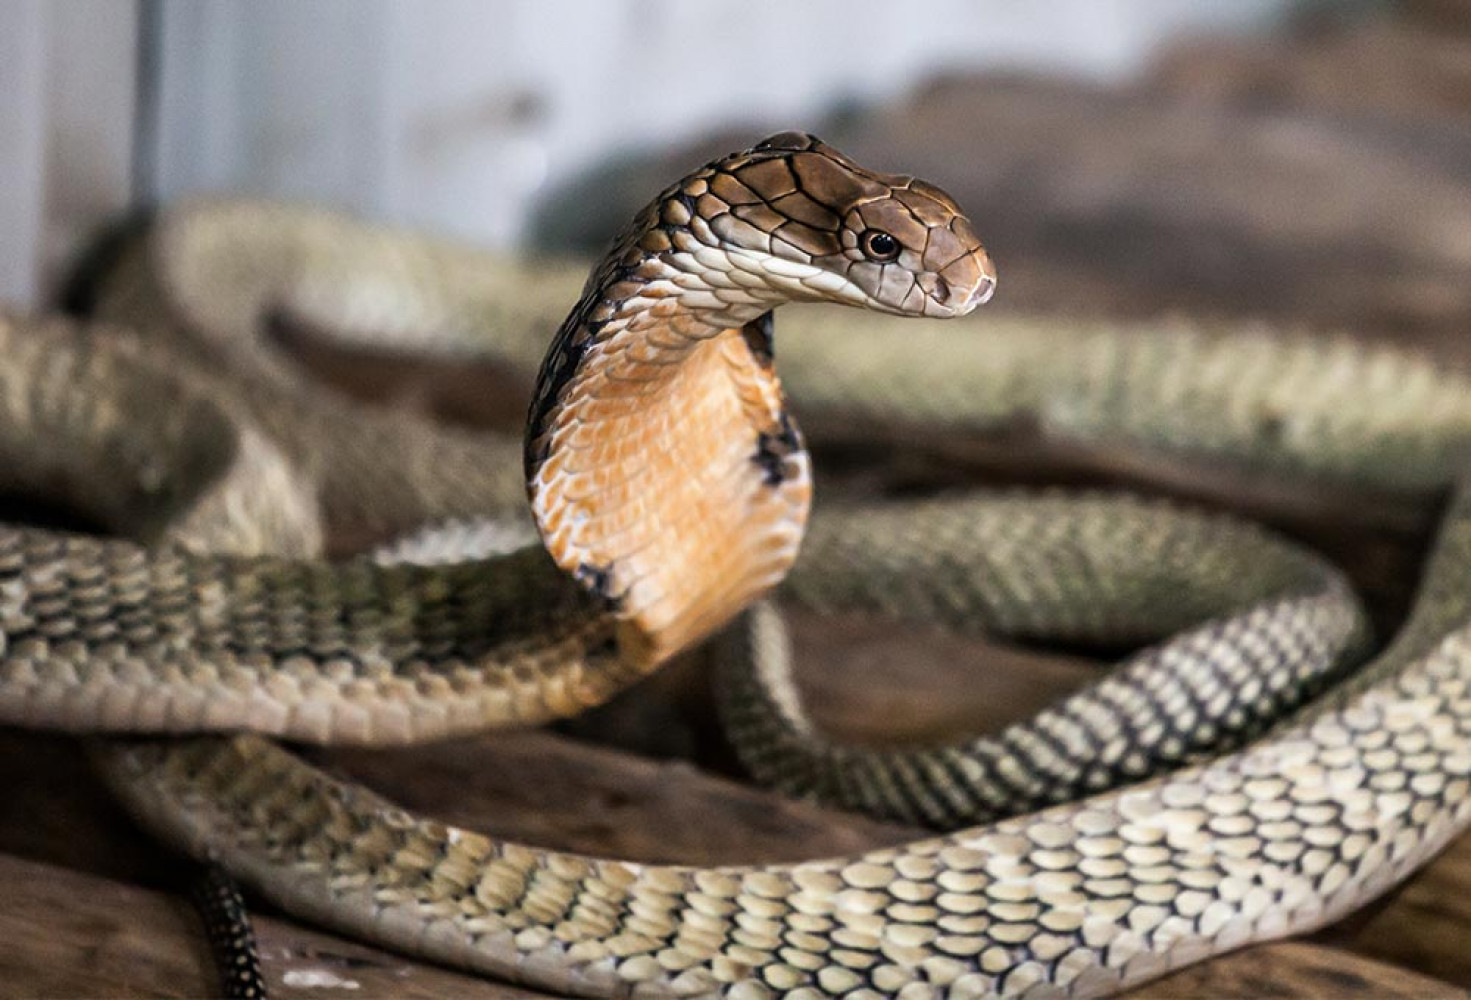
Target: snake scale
{"type": "Point", "coordinates": [670, 485]}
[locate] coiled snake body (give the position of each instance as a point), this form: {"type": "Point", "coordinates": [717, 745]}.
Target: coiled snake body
{"type": "Point", "coordinates": [671, 489]}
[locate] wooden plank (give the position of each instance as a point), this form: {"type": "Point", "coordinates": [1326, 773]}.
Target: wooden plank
{"type": "Point", "coordinates": [1389, 68]}
{"type": "Point", "coordinates": [55, 811]}
{"type": "Point", "coordinates": [1295, 970]}
{"type": "Point", "coordinates": [67, 934]}
{"type": "Point", "coordinates": [1425, 925]}
{"type": "Point", "coordinates": [64, 933]}
{"type": "Point", "coordinates": [557, 792]}
{"type": "Point", "coordinates": [533, 786]}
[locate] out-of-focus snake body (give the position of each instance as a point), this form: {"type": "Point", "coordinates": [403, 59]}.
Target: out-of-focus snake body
{"type": "Point", "coordinates": [1077, 899]}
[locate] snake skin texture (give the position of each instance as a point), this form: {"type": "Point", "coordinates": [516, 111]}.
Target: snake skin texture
{"type": "Point", "coordinates": [1282, 627]}
{"type": "Point", "coordinates": [227, 925]}
{"type": "Point", "coordinates": [109, 635]}
{"type": "Point", "coordinates": [1329, 808]}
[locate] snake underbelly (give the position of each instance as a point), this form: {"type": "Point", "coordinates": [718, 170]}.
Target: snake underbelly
{"type": "Point", "coordinates": [678, 489]}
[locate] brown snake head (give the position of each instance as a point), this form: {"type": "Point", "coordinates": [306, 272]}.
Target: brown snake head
{"type": "Point", "coordinates": [664, 471]}
{"type": "Point", "coordinates": [815, 226]}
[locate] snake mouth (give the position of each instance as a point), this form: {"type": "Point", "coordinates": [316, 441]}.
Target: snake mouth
{"type": "Point", "coordinates": [957, 287]}
{"type": "Point", "coordinates": [979, 295]}
{"type": "Point", "coordinates": [973, 271]}
{"type": "Point", "coordinates": [970, 283]}
{"type": "Point", "coordinates": [982, 293]}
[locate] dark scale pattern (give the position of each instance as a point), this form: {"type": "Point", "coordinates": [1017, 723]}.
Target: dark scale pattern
{"type": "Point", "coordinates": [561, 363]}
{"type": "Point", "coordinates": [760, 338]}
{"type": "Point", "coordinates": [1272, 626]}
{"type": "Point", "coordinates": [119, 598]}
{"type": "Point", "coordinates": [1080, 900]}
{"type": "Point", "coordinates": [226, 919]}
{"type": "Point", "coordinates": [599, 581]}
{"type": "Point", "coordinates": [775, 451]}
{"type": "Point", "coordinates": [293, 645]}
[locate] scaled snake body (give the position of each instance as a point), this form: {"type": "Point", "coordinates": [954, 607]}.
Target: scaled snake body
{"type": "Point", "coordinates": [671, 488]}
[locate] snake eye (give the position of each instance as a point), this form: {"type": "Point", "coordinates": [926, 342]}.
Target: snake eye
{"type": "Point", "coordinates": [879, 245]}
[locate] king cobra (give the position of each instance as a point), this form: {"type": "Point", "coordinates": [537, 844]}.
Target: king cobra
{"type": "Point", "coordinates": [670, 487]}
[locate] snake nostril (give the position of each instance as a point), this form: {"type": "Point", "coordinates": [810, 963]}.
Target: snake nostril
{"type": "Point", "coordinates": [941, 294]}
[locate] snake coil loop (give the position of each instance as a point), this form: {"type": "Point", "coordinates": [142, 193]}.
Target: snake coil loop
{"type": "Point", "coordinates": [671, 488]}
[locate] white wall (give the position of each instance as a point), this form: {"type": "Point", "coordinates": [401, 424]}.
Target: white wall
{"type": "Point", "coordinates": [22, 42]}
{"type": "Point", "coordinates": [67, 71]}
{"type": "Point", "coordinates": [454, 114]}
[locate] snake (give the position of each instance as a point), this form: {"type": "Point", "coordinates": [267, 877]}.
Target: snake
{"type": "Point", "coordinates": [669, 486]}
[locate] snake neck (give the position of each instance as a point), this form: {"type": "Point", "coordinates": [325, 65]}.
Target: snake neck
{"type": "Point", "coordinates": [664, 471]}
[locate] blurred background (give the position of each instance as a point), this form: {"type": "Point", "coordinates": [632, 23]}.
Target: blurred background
{"type": "Point", "coordinates": [1287, 158]}
{"type": "Point", "coordinates": [1306, 163]}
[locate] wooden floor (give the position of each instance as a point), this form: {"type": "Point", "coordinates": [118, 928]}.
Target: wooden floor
{"type": "Point", "coordinates": [1326, 181]}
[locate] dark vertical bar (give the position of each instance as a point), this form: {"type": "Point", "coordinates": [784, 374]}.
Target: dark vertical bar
{"type": "Point", "coordinates": [149, 59]}
{"type": "Point", "coordinates": [79, 288]}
